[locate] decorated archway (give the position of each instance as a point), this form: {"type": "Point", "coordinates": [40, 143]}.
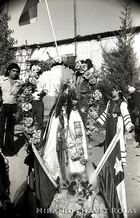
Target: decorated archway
{"type": "Point", "coordinates": [85, 83]}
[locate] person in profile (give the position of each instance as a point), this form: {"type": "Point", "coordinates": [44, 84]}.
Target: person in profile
{"type": "Point", "coordinates": [115, 116]}
{"type": "Point", "coordinates": [117, 119]}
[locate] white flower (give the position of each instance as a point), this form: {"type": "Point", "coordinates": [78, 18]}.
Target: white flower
{"type": "Point", "coordinates": [88, 132]}
{"type": "Point", "coordinates": [28, 90]}
{"type": "Point", "coordinates": [90, 127]}
{"type": "Point", "coordinates": [26, 106]}
{"type": "Point", "coordinates": [114, 115]}
{"type": "Point", "coordinates": [58, 59]}
{"type": "Point", "coordinates": [92, 80]}
{"type": "Point", "coordinates": [34, 140]}
{"type": "Point", "coordinates": [83, 109]}
{"type": "Point", "coordinates": [32, 74]}
{"type": "Point", "coordinates": [37, 134]}
{"type": "Point", "coordinates": [35, 137]}
{"type": "Point", "coordinates": [77, 65]}
{"type": "Point", "coordinates": [30, 130]}
{"type": "Point", "coordinates": [33, 80]}
{"type": "Point", "coordinates": [35, 68]}
{"type": "Point", "coordinates": [91, 70]}
{"type": "Point", "coordinates": [87, 74]}
{"type": "Point", "coordinates": [97, 95]}
{"type": "Point", "coordinates": [28, 121]}
{"type": "Point", "coordinates": [131, 89]}
{"type": "Point", "coordinates": [83, 68]}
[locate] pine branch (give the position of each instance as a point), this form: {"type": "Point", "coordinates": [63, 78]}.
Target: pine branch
{"type": "Point", "coordinates": [120, 63]}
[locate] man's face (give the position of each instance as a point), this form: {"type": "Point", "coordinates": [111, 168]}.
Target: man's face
{"type": "Point", "coordinates": [14, 73]}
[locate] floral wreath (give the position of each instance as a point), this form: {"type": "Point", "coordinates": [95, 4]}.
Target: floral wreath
{"type": "Point", "coordinates": [84, 72]}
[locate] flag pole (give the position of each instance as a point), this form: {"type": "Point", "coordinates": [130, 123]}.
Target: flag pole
{"type": "Point", "coordinates": [44, 167]}
{"type": "Point", "coordinates": [75, 32]}
{"type": "Point", "coordinates": [108, 152]}
{"type": "Point", "coordinates": [75, 26]}
{"type": "Point", "coordinates": [52, 27]}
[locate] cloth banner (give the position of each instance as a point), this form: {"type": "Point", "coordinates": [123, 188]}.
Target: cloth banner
{"type": "Point", "coordinates": [44, 187]}
{"type": "Point", "coordinates": [112, 185]}
{"type": "Point", "coordinates": [29, 13]}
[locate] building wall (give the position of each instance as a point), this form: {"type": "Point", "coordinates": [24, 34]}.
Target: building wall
{"type": "Point", "coordinates": [86, 49]}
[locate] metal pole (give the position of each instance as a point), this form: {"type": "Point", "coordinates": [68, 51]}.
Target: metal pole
{"type": "Point", "coordinates": [52, 27]}
{"type": "Point", "coordinates": [75, 25]}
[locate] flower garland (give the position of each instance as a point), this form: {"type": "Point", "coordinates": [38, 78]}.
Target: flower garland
{"type": "Point", "coordinates": [67, 61]}
{"type": "Point", "coordinates": [89, 96]}
{"type": "Point", "coordinates": [86, 87]}
{"type": "Point", "coordinates": [25, 98]}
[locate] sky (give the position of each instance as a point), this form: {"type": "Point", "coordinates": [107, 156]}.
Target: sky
{"type": "Point", "coordinates": [93, 16]}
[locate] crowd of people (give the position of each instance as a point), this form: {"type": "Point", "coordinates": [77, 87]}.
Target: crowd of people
{"type": "Point", "coordinates": [67, 158]}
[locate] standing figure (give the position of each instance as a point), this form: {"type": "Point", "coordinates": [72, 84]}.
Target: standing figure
{"type": "Point", "coordinates": [37, 103]}
{"type": "Point", "coordinates": [134, 105]}
{"type": "Point", "coordinates": [112, 185]}
{"type": "Point", "coordinates": [10, 85]}
{"type": "Point", "coordinates": [116, 116]}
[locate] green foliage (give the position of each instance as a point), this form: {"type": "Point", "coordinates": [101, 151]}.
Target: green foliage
{"type": "Point", "coordinates": [7, 55]}
{"type": "Point", "coordinates": [50, 62]}
{"type": "Point", "coordinates": [119, 67]}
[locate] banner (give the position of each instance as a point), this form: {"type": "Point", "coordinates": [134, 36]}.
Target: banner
{"type": "Point", "coordinates": [29, 13]}
{"type": "Point", "coordinates": [112, 186]}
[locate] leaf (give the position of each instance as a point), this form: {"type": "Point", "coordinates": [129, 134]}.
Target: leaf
{"type": "Point", "coordinates": [73, 183]}
{"type": "Point", "coordinates": [67, 182]}
{"type": "Point", "coordinates": [71, 191]}
{"type": "Point", "coordinates": [58, 180]}
{"type": "Point", "coordinates": [84, 193]}
{"type": "Point", "coordinates": [84, 184]}
{"type": "Point", "coordinates": [90, 186]}
{"type": "Point", "coordinates": [90, 193]}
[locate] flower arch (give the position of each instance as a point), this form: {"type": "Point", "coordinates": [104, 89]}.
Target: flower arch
{"type": "Point", "coordinates": [89, 96]}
